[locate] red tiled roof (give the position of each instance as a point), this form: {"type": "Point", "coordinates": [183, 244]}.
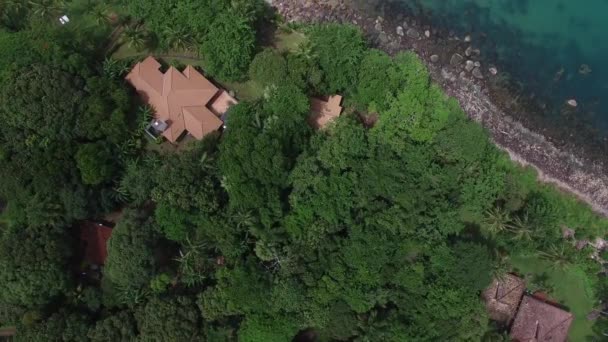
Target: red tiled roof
{"type": "Point", "coordinates": [323, 112]}
{"type": "Point", "coordinates": [172, 92]}
{"type": "Point", "coordinates": [540, 322]}
{"type": "Point", "coordinates": [95, 238]}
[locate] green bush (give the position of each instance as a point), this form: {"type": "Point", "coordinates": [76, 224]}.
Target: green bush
{"type": "Point", "coordinates": [268, 68]}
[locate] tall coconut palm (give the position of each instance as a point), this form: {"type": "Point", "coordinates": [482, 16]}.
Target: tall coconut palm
{"type": "Point", "coordinates": [135, 36]}
{"type": "Point", "coordinates": [11, 8]}
{"type": "Point", "coordinates": [47, 8]}
{"type": "Point", "coordinates": [306, 50]}
{"type": "Point", "coordinates": [496, 220]}
{"type": "Point", "coordinates": [179, 38]}
{"type": "Point", "coordinates": [521, 228]}
{"type": "Point", "coordinates": [558, 256]}
{"type": "Point", "coordinates": [100, 15]}
{"type": "Point", "coordinates": [193, 262]}
{"type": "Point", "coordinates": [502, 264]}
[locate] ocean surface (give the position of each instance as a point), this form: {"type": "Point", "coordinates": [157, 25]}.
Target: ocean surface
{"type": "Point", "coordinates": [553, 50]}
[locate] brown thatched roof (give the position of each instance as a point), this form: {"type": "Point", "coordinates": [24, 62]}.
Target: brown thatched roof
{"type": "Point", "coordinates": [540, 321]}
{"type": "Point", "coordinates": [502, 297]}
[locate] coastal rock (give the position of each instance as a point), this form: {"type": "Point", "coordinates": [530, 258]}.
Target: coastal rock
{"type": "Point", "coordinates": [434, 58]}
{"type": "Point", "coordinates": [427, 34]}
{"type": "Point", "coordinates": [463, 74]}
{"type": "Point", "coordinates": [477, 73]}
{"type": "Point", "coordinates": [412, 33]}
{"type": "Point", "coordinates": [572, 103]}
{"type": "Point", "coordinates": [467, 39]}
{"type": "Point", "coordinates": [383, 38]}
{"type": "Point", "coordinates": [378, 26]}
{"type": "Point", "coordinates": [448, 76]}
{"type": "Point", "coordinates": [400, 31]}
{"type": "Point", "coordinates": [477, 64]}
{"type": "Point", "coordinates": [468, 51]}
{"type": "Point", "coordinates": [456, 59]}
{"type": "Point", "coordinates": [469, 65]}
{"type": "Point", "coordinates": [493, 70]}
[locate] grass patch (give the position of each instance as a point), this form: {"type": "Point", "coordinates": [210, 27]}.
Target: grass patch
{"type": "Point", "coordinates": [247, 91]}
{"type": "Point", "coordinates": [126, 51]}
{"type": "Point", "coordinates": [288, 40]}
{"type": "Point", "coordinates": [571, 288]}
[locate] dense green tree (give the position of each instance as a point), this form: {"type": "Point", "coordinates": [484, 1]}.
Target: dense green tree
{"type": "Point", "coordinates": [243, 289]}
{"type": "Point", "coordinates": [304, 71]}
{"type": "Point", "coordinates": [268, 68]}
{"type": "Point", "coordinates": [36, 272]}
{"type": "Point", "coordinates": [416, 114]}
{"type": "Point", "coordinates": [51, 119]}
{"type": "Point", "coordinates": [95, 162]}
{"type": "Point", "coordinates": [119, 327]}
{"type": "Point", "coordinates": [64, 326]}
{"type": "Point", "coordinates": [253, 172]}
{"type": "Point", "coordinates": [131, 262]}
{"type": "Point", "coordinates": [173, 179]}
{"type": "Point", "coordinates": [339, 49]}
{"type": "Point", "coordinates": [257, 328]}
{"type": "Point", "coordinates": [169, 319]}
{"type": "Point", "coordinates": [228, 47]}
{"type": "Point", "coordinates": [450, 314]}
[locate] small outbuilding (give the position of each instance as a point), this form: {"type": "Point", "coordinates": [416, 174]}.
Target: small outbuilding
{"type": "Point", "coordinates": [502, 297]}
{"type": "Point", "coordinates": [323, 111]}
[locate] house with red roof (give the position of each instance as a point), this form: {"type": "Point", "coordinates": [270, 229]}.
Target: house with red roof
{"type": "Point", "coordinates": [184, 102]}
{"type": "Point", "coordinates": [94, 240]}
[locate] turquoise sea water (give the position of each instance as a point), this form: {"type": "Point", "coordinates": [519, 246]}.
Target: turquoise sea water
{"type": "Point", "coordinates": [555, 49]}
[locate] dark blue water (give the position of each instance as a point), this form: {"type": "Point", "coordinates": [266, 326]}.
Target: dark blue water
{"type": "Point", "coordinates": [554, 49]}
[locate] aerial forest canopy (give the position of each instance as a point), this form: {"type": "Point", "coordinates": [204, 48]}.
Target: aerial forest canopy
{"type": "Point", "coordinates": [384, 226]}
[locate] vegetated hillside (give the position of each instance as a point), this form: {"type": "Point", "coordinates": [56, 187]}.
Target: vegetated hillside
{"type": "Point", "coordinates": [383, 232]}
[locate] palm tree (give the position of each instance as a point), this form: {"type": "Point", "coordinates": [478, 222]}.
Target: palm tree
{"type": "Point", "coordinates": [179, 38]}
{"type": "Point", "coordinates": [521, 229]}
{"type": "Point", "coordinates": [113, 68]}
{"type": "Point", "coordinates": [243, 219]}
{"type": "Point", "coordinates": [193, 263]}
{"type": "Point", "coordinates": [135, 36]}
{"type": "Point", "coordinates": [100, 15]}
{"type": "Point", "coordinates": [502, 264]}
{"type": "Point", "coordinates": [495, 221]}
{"type": "Point", "coordinates": [306, 50]}
{"type": "Point", "coordinates": [558, 256]}
{"type": "Point", "coordinates": [47, 8]}
{"type": "Point", "coordinates": [13, 8]}
{"type": "Point", "coordinates": [144, 116]}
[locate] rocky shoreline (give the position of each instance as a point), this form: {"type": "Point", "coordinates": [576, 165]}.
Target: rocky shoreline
{"type": "Point", "coordinates": [454, 64]}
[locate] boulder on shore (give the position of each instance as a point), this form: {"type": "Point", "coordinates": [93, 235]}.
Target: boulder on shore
{"type": "Point", "coordinates": [572, 103]}
{"type": "Point", "coordinates": [456, 59]}
{"type": "Point", "coordinates": [400, 31]}
{"type": "Point", "coordinates": [412, 33]}
{"type": "Point", "coordinates": [469, 66]}
{"type": "Point", "coordinates": [477, 73]}
{"type": "Point", "coordinates": [434, 58]}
